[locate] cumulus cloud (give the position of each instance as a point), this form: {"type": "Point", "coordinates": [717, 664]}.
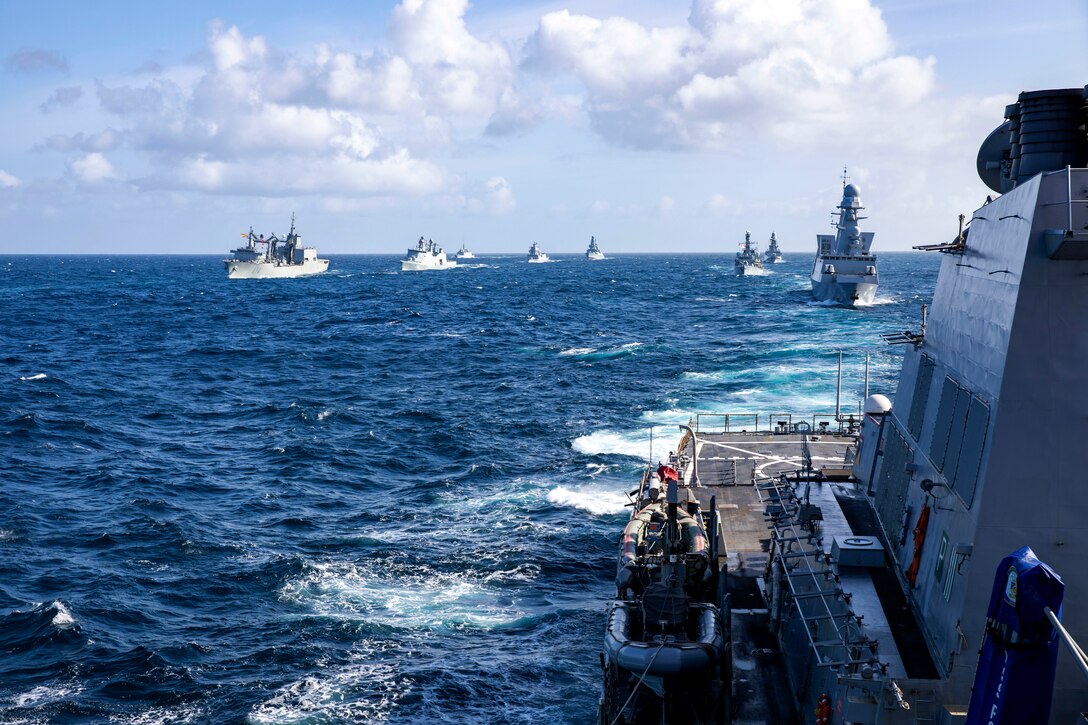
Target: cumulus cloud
{"type": "Point", "coordinates": [93, 168]}
{"type": "Point", "coordinates": [106, 140]}
{"type": "Point", "coordinates": [461, 72]}
{"type": "Point", "coordinates": [36, 61]}
{"type": "Point", "coordinates": [9, 181]}
{"type": "Point", "coordinates": [500, 197]}
{"type": "Point", "coordinates": [737, 69]}
{"type": "Point", "coordinates": [61, 98]}
{"type": "Point", "coordinates": [260, 120]}
{"type": "Point", "coordinates": [721, 205]}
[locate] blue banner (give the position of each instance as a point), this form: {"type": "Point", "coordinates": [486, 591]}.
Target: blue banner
{"type": "Point", "coordinates": [1014, 682]}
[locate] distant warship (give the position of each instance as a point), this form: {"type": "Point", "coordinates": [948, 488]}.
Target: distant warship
{"type": "Point", "coordinates": [844, 271]}
{"type": "Point", "coordinates": [536, 254]}
{"type": "Point", "coordinates": [594, 252]}
{"type": "Point", "coordinates": [748, 262]}
{"type": "Point", "coordinates": [773, 255]}
{"type": "Point", "coordinates": [426, 255]}
{"type": "Point", "coordinates": [273, 257]}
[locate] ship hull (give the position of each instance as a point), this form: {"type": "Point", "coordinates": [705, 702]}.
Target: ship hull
{"type": "Point", "coordinates": [239, 269]}
{"type": "Point", "coordinates": [845, 292]}
{"type": "Point", "coordinates": [748, 270]}
{"type": "Point", "coordinates": [407, 266]}
{"type": "Point", "coordinates": [594, 255]}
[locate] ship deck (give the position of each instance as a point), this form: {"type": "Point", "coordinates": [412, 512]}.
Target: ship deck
{"type": "Point", "coordinates": [729, 465]}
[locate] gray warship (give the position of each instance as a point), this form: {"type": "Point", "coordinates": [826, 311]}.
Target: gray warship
{"type": "Point", "coordinates": [855, 553]}
{"type": "Point", "coordinates": [844, 270]}
{"type": "Point", "coordinates": [773, 255]}
{"type": "Point", "coordinates": [263, 257]}
{"type": "Point", "coordinates": [748, 262]}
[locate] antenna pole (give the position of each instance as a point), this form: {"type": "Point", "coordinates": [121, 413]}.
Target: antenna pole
{"type": "Point", "coordinates": [866, 374]}
{"type": "Point", "coordinates": [838, 390]}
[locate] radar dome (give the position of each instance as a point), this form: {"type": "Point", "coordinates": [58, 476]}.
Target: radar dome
{"type": "Point", "coordinates": [851, 190]}
{"type": "Point", "coordinates": [877, 405]}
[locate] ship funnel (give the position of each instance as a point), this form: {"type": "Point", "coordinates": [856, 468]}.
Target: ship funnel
{"type": "Point", "coordinates": [1043, 131]}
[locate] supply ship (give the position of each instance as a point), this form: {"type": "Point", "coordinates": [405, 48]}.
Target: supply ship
{"type": "Point", "coordinates": [887, 566]}
{"type": "Point", "coordinates": [274, 257]}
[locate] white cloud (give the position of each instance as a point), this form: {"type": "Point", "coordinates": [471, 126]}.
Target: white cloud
{"type": "Point", "coordinates": [738, 69]}
{"type": "Point", "coordinates": [263, 121]}
{"type": "Point", "coordinates": [500, 197]}
{"type": "Point", "coordinates": [92, 168]}
{"type": "Point", "coordinates": [9, 181]}
{"type": "Point", "coordinates": [461, 72]}
{"type": "Point", "coordinates": [721, 205]}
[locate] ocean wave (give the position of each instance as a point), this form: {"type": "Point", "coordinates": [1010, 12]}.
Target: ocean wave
{"type": "Point", "coordinates": [605, 443]}
{"type": "Point", "coordinates": [399, 595]}
{"type": "Point", "coordinates": [38, 376]}
{"type": "Point", "coordinates": [596, 502]}
{"type": "Point", "coordinates": [592, 354]}
{"type": "Point", "coordinates": [361, 690]}
{"type": "Point", "coordinates": [877, 301]}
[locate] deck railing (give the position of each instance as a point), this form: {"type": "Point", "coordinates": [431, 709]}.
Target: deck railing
{"type": "Point", "coordinates": [773, 422]}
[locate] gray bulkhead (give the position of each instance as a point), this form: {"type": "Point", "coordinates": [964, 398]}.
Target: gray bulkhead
{"type": "Point", "coordinates": [992, 408]}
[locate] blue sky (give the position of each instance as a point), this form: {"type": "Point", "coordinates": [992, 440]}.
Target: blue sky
{"type": "Point", "coordinates": [655, 126]}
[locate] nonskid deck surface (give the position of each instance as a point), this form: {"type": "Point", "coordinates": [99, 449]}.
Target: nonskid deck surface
{"type": "Point", "coordinates": [729, 468]}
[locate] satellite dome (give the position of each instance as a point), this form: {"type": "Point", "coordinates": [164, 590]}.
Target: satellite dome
{"type": "Point", "coordinates": [877, 405]}
{"type": "Point", "coordinates": [851, 190]}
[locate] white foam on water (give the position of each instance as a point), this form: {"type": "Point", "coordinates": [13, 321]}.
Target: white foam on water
{"type": "Point", "coordinates": [39, 376]}
{"type": "Point", "coordinates": [822, 303]}
{"type": "Point", "coordinates": [397, 595]}
{"type": "Point", "coordinates": [324, 414]}
{"type": "Point", "coordinates": [162, 716]}
{"type": "Point", "coordinates": [606, 442]}
{"type": "Point", "coordinates": [361, 691]}
{"type": "Point", "coordinates": [578, 351]}
{"type": "Point", "coordinates": [879, 301]}
{"type": "Point", "coordinates": [595, 501]}
{"type": "Point", "coordinates": [44, 694]}
{"type": "Point", "coordinates": [63, 619]}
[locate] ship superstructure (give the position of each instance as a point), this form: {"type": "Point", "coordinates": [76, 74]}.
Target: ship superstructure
{"type": "Point", "coordinates": [264, 257]}
{"type": "Point", "coordinates": [858, 551]}
{"type": "Point", "coordinates": [773, 255]}
{"type": "Point", "coordinates": [844, 270]}
{"type": "Point", "coordinates": [748, 262]}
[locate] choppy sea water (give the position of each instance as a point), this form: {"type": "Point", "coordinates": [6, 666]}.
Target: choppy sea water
{"type": "Point", "coordinates": [366, 496]}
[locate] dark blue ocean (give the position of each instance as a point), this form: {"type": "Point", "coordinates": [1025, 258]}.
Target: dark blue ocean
{"type": "Point", "coordinates": [369, 495]}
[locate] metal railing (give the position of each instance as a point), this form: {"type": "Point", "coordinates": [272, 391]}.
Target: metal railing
{"type": "Point", "coordinates": [1067, 639]}
{"type": "Point", "coordinates": [822, 423]}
